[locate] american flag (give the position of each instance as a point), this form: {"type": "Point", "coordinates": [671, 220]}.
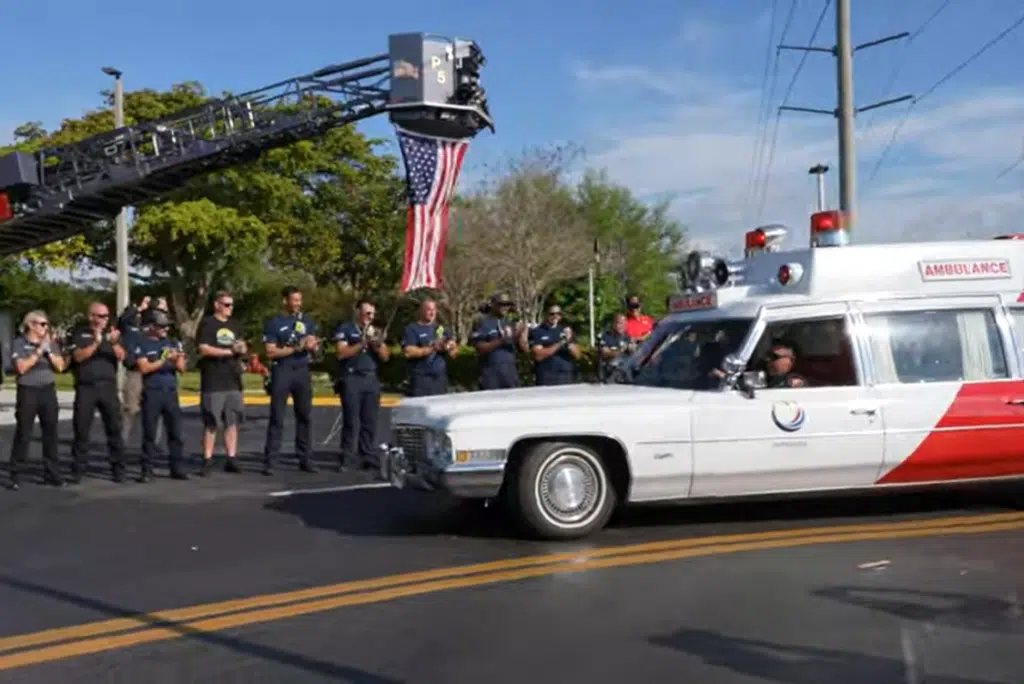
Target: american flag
{"type": "Point", "coordinates": [432, 168]}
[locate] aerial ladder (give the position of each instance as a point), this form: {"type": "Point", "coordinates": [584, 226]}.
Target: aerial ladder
{"type": "Point", "coordinates": [427, 84]}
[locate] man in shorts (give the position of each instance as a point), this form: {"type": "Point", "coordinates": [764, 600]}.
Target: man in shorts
{"type": "Point", "coordinates": [222, 352]}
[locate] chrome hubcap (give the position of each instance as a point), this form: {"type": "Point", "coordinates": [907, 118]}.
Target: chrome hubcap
{"type": "Point", "coordinates": [568, 489]}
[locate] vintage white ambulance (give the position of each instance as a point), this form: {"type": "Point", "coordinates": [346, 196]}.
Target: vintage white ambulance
{"type": "Point", "coordinates": [910, 357]}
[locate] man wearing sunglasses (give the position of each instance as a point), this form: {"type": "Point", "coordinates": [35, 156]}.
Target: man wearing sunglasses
{"type": "Point", "coordinates": [222, 351]}
{"type": "Point", "coordinates": [779, 367]}
{"type": "Point", "coordinates": [496, 339]}
{"type": "Point", "coordinates": [554, 350]}
{"type": "Point", "coordinates": [96, 350]}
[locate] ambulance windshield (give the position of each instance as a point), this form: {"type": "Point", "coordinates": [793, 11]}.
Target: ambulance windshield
{"type": "Point", "coordinates": [688, 355]}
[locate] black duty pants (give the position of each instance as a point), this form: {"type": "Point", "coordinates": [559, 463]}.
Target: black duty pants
{"type": "Point", "coordinates": [360, 404]}
{"type": "Point", "coordinates": [427, 385]}
{"type": "Point", "coordinates": [297, 383]}
{"type": "Point", "coordinates": [89, 399]}
{"type": "Point", "coordinates": [162, 404]}
{"type": "Point", "coordinates": [498, 376]}
{"type": "Point", "coordinates": [32, 403]}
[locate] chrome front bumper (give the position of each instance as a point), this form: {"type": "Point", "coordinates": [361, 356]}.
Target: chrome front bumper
{"type": "Point", "coordinates": [463, 480]}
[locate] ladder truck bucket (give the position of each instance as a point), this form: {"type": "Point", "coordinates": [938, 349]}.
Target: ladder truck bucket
{"type": "Point", "coordinates": [435, 86]}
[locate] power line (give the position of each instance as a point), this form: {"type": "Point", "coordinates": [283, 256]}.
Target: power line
{"type": "Point", "coordinates": [761, 105]}
{"type": "Point", "coordinates": [902, 61]}
{"type": "Point", "coordinates": [1009, 169]}
{"type": "Point", "coordinates": [764, 108]}
{"type": "Point", "coordinates": [785, 100]}
{"type": "Point", "coordinates": [938, 84]}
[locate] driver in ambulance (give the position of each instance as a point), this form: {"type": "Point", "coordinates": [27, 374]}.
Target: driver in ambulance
{"type": "Point", "coordinates": [779, 364]}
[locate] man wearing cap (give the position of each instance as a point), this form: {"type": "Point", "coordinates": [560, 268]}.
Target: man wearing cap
{"type": "Point", "coordinates": [129, 323]}
{"type": "Point", "coordinates": [638, 324]}
{"type": "Point", "coordinates": [554, 350]}
{"type": "Point", "coordinates": [495, 339]}
{"type": "Point", "coordinates": [159, 359]}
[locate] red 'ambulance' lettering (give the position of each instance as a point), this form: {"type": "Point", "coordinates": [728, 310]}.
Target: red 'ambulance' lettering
{"type": "Point", "coordinates": [942, 270]}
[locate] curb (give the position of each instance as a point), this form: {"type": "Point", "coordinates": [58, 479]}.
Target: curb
{"type": "Point", "coordinates": [318, 402]}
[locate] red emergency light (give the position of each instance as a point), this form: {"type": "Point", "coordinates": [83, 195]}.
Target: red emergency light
{"type": "Point", "coordinates": [756, 239]}
{"type": "Point", "coordinates": [764, 239]}
{"type": "Point", "coordinates": [5, 208]}
{"type": "Point", "coordinates": [828, 229]}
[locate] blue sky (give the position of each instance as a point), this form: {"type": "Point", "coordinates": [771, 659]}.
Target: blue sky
{"type": "Point", "coordinates": [664, 94]}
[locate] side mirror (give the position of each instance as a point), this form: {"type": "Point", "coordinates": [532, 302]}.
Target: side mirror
{"type": "Point", "coordinates": [755, 379]}
{"type": "Point", "coordinates": [732, 365]}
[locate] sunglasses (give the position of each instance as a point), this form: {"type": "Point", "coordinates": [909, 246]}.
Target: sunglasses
{"type": "Point", "coordinates": [780, 355]}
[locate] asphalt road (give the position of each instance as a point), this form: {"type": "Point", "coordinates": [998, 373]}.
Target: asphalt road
{"type": "Point", "coordinates": [883, 590]}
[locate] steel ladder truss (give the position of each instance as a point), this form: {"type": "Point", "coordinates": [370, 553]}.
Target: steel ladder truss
{"type": "Point", "coordinates": [56, 193]}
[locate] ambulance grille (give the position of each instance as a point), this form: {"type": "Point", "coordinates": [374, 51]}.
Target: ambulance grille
{"type": "Point", "coordinates": [413, 440]}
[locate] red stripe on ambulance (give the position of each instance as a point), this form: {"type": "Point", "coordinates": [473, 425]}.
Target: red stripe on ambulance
{"type": "Point", "coordinates": [981, 435]}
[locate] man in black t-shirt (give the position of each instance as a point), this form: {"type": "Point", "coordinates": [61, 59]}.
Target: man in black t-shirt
{"type": "Point", "coordinates": [96, 349]}
{"type": "Point", "coordinates": [222, 351]}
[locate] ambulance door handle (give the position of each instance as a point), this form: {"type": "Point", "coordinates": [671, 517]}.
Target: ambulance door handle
{"type": "Point", "coordinates": [864, 411]}
{"type": "Point", "coordinates": [1015, 402]}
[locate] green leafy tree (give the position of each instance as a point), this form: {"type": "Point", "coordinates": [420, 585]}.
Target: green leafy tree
{"type": "Point", "coordinates": [330, 207]}
{"type": "Point", "coordinates": [638, 243]}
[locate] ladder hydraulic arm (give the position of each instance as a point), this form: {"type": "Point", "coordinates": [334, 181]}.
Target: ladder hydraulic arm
{"type": "Point", "coordinates": [427, 84]}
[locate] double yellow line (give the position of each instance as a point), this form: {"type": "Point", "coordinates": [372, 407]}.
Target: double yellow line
{"type": "Point", "coordinates": [96, 637]}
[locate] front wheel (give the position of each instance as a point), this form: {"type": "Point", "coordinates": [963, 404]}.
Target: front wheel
{"type": "Point", "coordinates": [562, 491]}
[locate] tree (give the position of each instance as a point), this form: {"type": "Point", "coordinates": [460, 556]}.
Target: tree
{"type": "Point", "coordinates": [535, 234]}
{"type": "Point", "coordinates": [329, 207]}
{"type": "Point", "coordinates": [139, 105]}
{"type": "Point", "coordinates": [638, 244]}
{"type": "Point", "coordinates": [466, 283]}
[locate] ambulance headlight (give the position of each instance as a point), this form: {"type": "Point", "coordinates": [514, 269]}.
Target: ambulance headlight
{"type": "Point", "coordinates": [789, 274]}
{"type": "Point", "coordinates": [439, 448]}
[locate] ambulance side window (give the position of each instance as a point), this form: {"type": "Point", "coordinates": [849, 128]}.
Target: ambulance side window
{"type": "Point", "coordinates": [822, 348]}
{"type": "Point", "coordinates": [1017, 315]}
{"type": "Point", "coordinates": [936, 346]}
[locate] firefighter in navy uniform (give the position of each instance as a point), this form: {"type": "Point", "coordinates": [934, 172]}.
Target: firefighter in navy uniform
{"type": "Point", "coordinates": [96, 350]}
{"type": "Point", "coordinates": [496, 339]}
{"type": "Point", "coordinates": [159, 359]}
{"type": "Point", "coordinates": [359, 346]}
{"type": "Point", "coordinates": [779, 367]}
{"type": "Point", "coordinates": [290, 339]}
{"type": "Point", "coordinates": [425, 344]}
{"type": "Point", "coordinates": [554, 350]}
{"type": "Point", "coordinates": [614, 343]}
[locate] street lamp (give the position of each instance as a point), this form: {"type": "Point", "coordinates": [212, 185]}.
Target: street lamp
{"type": "Point", "coordinates": [121, 222]}
{"type": "Point", "coordinates": [820, 170]}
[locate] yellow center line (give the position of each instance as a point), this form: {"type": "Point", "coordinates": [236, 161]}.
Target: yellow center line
{"type": "Point", "coordinates": [113, 625]}
{"type": "Point", "coordinates": [223, 622]}
{"type": "Point", "coordinates": [190, 613]}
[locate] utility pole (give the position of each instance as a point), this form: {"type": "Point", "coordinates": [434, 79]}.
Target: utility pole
{"type": "Point", "coordinates": [820, 170]}
{"type": "Point", "coordinates": [846, 111]}
{"type": "Point", "coordinates": [844, 90]}
{"type": "Point", "coordinates": [121, 221]}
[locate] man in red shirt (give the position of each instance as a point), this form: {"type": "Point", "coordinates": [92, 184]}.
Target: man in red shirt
{"type": "Point", "coordinates": [638, 324]}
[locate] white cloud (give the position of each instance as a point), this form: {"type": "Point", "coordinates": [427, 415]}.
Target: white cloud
{"type": "Point", "coordinates": [938, 180]}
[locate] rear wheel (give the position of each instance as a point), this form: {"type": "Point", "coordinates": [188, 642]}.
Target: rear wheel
{"type": "Point", "coordinates": [562, 491]}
